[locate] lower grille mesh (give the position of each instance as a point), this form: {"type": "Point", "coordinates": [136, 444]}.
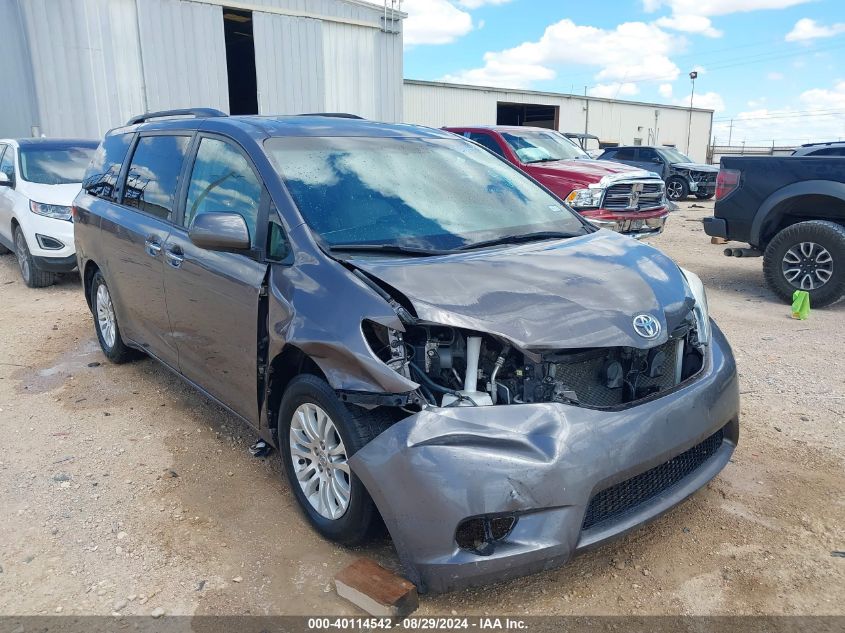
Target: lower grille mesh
{"type": "Point", "coordinates": [625, 497]}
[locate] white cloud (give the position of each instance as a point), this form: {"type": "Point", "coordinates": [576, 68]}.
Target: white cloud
{"type": "Point", "coordinates": [718, 7]}
{"type": "Point", "coordinates": [631, 52]}
{"type": "Point", "coordinates": [614, 90]}
{"type": "Point", "coordinates": [474, 4]}
{"type": "Point", "coordinates": [434, 22]}
{"type": "Point", "coordinates": [817, 117]}
{"type": "Point", "coordinates": [806, 30]}
{"type": "Point", "coordinates": [706, 100]}
{"type": "Point", "coordinates": [665, 91]}
{"type": "Point", "coordinates": [774, 76]}
{"type": "Point", "coordinates": [689, 24]}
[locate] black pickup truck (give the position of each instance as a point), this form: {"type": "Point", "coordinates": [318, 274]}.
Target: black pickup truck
{"type": "Point", "coordinates": [791, 211]}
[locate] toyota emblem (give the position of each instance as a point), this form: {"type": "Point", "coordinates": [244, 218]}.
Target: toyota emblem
{"type": "Point", "coordinates": [646, 326]}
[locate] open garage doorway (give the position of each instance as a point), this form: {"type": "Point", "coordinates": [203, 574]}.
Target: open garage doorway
{"type": "Point", "coordinates": [527, 114]}
{"type": "Point", "coordinates": [240, 61]}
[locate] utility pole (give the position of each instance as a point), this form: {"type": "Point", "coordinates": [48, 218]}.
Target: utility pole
{"type": "Point", "coordinates": [730, 132]}
{"type": "Point", "coordinates": [586, 112]}
{"type": "Point", "coordinates": [693, 76]}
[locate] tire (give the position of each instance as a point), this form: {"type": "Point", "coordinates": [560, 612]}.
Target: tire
{"type": "Point", "coordinates": [816, 249]}
{"type": "Point", "coordinates": [677, 189]}
{"type": "Point", "coordinates": [355, 427]}
{"type": "Point", "coordinates": [704, 196]}
{"type": "Point", "coordinates": [110, 339]}
{"type": "Point", "coordinates": [31, 274]}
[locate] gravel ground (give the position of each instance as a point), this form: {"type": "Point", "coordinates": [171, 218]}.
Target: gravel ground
{"type": "Point", "coordinates": [124, 491]}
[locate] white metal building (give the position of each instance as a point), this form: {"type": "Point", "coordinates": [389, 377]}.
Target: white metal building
{"type": "Point", "coordinates": [615, 122]}
{"type": "Point", "coordinates": [80, 67]}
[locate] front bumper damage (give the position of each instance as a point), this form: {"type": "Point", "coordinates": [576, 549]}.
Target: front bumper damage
{"type": "Point", "coordinates": [541, 463]}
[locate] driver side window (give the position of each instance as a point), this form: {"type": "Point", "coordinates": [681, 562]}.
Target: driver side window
{"type": "Point", "coordinates": [222, 181]}
{"type": "Point", "coordinates": [7, 163]}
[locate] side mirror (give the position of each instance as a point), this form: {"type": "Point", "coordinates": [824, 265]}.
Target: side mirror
{"type": "Point", "coordinates": [657, 160]}
{"type": "Point", "coordinates": [220, 232]}
{"type": "Point", "coordinates": [5, 181]}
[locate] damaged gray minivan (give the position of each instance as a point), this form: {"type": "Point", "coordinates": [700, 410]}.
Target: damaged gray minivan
{"type": "Point", "coordinates": [429, 337]}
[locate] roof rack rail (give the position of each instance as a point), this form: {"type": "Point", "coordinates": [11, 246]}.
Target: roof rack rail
{"type": "Point", "coordinates": [337, 115]}
{"type": "Point", "coordinates": [195, 112]}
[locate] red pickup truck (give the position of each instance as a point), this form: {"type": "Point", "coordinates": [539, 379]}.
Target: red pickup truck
{"type": "Point", "coordinates": [610, 195]}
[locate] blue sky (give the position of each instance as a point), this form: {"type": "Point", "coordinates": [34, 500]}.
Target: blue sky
{"type": "Point", "coordinates": [776, 67]}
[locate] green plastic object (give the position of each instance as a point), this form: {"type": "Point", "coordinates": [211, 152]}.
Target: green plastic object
{"type": "Point", "coordinates": [800, 304]}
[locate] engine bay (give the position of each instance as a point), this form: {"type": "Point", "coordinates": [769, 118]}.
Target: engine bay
{"type": "Point", "coordinates": [455, 367]}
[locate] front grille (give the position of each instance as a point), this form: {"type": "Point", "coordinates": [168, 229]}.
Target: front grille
{"type": "Point", "coordinates": [584, 377]}
{"type": "Point", "coordinates": [612, 504]}
{"type": "Point", "coordinates": [704, 178]}
{"type": "Point", "coordinates": [618, 197]}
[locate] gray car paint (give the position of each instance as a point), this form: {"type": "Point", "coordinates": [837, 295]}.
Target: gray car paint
{"type": "Point", "coordinates": [438, 466]}
{"type": "Point", "coordinates": [541, 461]}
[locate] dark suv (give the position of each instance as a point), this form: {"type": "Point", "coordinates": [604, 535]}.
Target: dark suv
{"type": "Point", "coordinates": [681, 174]}
{"type": "Point", "coordinates": [426, 334]}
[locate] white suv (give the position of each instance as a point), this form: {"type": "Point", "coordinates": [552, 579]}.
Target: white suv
{"type": "Point", "coordinates": [39, 179]}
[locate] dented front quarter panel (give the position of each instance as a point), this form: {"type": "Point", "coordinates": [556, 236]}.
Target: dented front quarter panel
{"type": "Point", "coordinates": [317, 306]}
{"type": "Point", "coordinates": [542, 461]}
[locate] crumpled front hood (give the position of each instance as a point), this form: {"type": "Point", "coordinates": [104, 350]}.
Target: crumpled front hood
{"type": "Point", "coordinates": [575, 293]}
{"type": "Point", "coordinates": [696, 167]}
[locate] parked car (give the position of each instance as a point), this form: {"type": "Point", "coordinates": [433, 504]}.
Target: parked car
{"type": "Point", "coordinates": [38, 181]}
{"type": "Point", "coordinates": [682, 175]}
{"type": "Point", "coordinates": [791, 211]}
{"type": "Point", "coordinates": [422, 331]}
{"type": "Point", "coordinates": [610, 195]}
{"type": "Point", "coordinates": [835, 148]}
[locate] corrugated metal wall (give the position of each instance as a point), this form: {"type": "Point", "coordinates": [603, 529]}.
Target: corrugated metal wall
{"type": "Point", "coordinates": [436, 105]}
{"type": "Point", "coordinates": [289, 64]}
{"type": "Point", "coordinates": [16, 89]}
{"type": "Point", "coordinates": [95, 63]}
{"type": "Point", "coordinates": [184, 54]}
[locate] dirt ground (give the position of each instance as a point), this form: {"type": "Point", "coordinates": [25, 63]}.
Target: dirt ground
{"type": "Point", "coordinates": [123, 490]}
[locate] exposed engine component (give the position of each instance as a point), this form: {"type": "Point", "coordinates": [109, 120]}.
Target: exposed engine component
{"type": "Point", "coordinates": [460, 368]}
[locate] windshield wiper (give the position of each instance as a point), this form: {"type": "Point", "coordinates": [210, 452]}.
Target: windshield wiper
{"type": "Point", "coordinates": [515, 239]}
{"type": "Point", "coordinates": [388, 248]}
{"type": "Point", "coordinates": [543, 160]}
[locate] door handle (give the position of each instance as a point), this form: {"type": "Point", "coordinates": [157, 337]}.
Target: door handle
{"type": "Point", "coordinates": [174, 257]}
{"type": "Point", "coordinates": [152, 246]}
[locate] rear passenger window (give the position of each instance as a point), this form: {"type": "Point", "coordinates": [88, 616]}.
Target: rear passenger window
{"type": "Point", "coordinates": [222, 181]}
{"type": "Point", "coordinates": [829, 151]}
{"type": "Point", "coordinates": [154, 174]}
{"type": "Point", "coordinates": [626, 153]}
{"type": "Point", "coordinates": [101, 177]}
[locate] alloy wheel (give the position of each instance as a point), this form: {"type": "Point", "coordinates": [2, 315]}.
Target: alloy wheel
{"type": "Point", "coordinates": [674, 190]}
{"type": "Point", "coordinates": [105, 316]}
{"type": "Point", "coordinates": [22, 253]}
{"type": "Point", "coordinates": [807, 266]}
{"type": "Point", "coordinates": [320, 461]}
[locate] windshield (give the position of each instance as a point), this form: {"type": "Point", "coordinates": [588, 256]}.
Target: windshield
{"type": "Point", "coordinates": [674, 156]}
{"type": "Point", "coordinates": [436, 194]}
{"type": "Point", "coordinates": [534, 146]}
{"type": "Point", "coordinates": [55, 165]}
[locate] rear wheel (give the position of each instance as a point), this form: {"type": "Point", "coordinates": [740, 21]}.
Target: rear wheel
{"type": "Point", "coordinates": [31, 274]}
{"type": "Point", "coordinates": [317, 435]}
{"type": "Point", "coordinates": [105, 322]}
{"type": "Point", "coordinates": [807, 256]}
{"type": "Point", "coordinates": [677, 189]}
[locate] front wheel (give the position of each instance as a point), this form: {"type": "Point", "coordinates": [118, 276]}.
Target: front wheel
{"type": "Point", "coordinates": [31, 274]}
{"type": "Point", "coordinates": [105, 323]}
{"type": "Point", "coordinates": [677, 189]}
{"type": "Point", "coordinates": [317, 435]}
{"type": "Point", "coordinates": [807, 256]}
